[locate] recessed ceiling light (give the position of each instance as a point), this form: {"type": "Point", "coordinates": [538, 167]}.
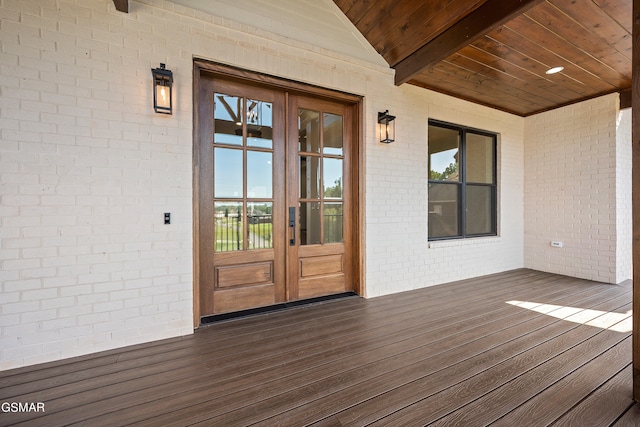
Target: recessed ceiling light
{"type": "Point", "coordinates": [554, 70]}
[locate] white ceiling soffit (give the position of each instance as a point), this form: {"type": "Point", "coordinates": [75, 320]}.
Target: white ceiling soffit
{"type": "Point", "coordinates": [316, 22]}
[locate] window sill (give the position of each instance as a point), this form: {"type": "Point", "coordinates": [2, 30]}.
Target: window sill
{"type": "Point", "coordinates": [463, 242]}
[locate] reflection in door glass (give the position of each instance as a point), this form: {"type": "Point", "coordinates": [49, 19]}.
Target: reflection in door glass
{"type": "Point", "coordinates": [228, 119]}
{"type": "Point", "coordinates": [227, 174]}
{"type": "Point", "coordinates": [332, 138]}
{"type": "Point", "coordinates": [309, 130]}
{"type": "Point", "coordinates": [260, 220]}
{"type": "Point", "coordinates": [310, 223]}
{"type": "Point", "coordinates": [332, 222]}
{"type": "Point", "coordinates": [309, 177]}
{"type": "Point", "coordinates": [259, 174]}
{"type": "Point", "coordinates": [332, 179]}
{"type": "Point", "coordinates": [259, 124]}
{"type": "Point", "coordinates": [228, 226]}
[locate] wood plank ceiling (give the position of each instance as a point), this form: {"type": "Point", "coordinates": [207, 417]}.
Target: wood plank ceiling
{"type": "Point", "coordinates": [496, 52]}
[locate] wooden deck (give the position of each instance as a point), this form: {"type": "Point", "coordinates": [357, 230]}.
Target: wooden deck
{"type": "Point", "coordinates": [521, 348]}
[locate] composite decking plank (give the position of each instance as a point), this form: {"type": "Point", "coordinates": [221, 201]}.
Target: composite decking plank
{"type": "Point", "coordinates": [499, 402]}
{"type": "Point", "coordinates": [368, 407]}
{"type": "Point", "coordinates": [439, 394]}
{"type": "Point", "coordinates": [388, 373]}
{"type": "Point", "coordinates": [568, 391]}
{"type": "Point", "coordinates": [82, 362]}
{"type": "Point", "coordinates": [235, 359]}
{"type": "Point", "coordinates": [147, 362]}
{"type": "Point", "coordinates": [631, 418]}
{"type": "Point", "coordinates": [300, 365]}
{"type": "Point", "coordinates": [222, 333]}
{"type": "Point", "coordinates": [281, 318]}
{"type": "Point", "coordinates": [219, 344]}
{"type": "Point", "coordinates": [227, 388]}
{"type": "Point", "coordinates": [604, 405]}
{"type": "Point", "coordinates": [147, 351]}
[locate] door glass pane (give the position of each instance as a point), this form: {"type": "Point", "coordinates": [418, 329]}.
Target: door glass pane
{"type": "Point", "coordinates": [227, 173]}
{"type": "Point", "coordinates": [259, 174]}
{"type": "Point", "coordinates": [310, 223]}
{"type": "Point", "coordinates": [227, 114]}
{"type": "Point", "coordinates": [309, 130]}
{"type": "Point", "coordinates": [228, 226]}
{"type": "Point", "coordinates": [333, 223]}
{"type": "Point", "coordinates": [444, 152]}
{"type": "Point", "coordinates": [260, 220]}
{"type": "Point", "coordinates": [479, 215]}
{"type": "Point", "coordinates": [332, 137]}
{"type": "Point", "coordinates": [480, 158]}
{"type": "Point", "coordinates": [309, 177]}
{"type": "Point", "coordinates": [443, 210]}
{"type": "Point", "coordinates": [332, 171]}
{"type": "Point", "coordinates": [259, 124]}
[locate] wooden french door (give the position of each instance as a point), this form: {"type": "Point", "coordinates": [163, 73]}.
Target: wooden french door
{"type": "Point", "coordinates": [319, 198]}
{"type": "Point", "coordinates": [274, 196]}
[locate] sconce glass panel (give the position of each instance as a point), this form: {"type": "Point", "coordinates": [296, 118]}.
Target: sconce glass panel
{"type": "Point", "coordinates": [162, 90]}
{"type": "Point", "coordinates": [386, 127]}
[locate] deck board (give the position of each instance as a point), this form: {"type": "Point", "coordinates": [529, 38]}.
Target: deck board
{"type": "Point", "coordinates": [455, 354]}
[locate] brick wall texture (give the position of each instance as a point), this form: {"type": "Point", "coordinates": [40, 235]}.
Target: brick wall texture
{"type": "Point", "coordinates": [87, 171]}
{"type": "Point", "coordinates": [578, 191]}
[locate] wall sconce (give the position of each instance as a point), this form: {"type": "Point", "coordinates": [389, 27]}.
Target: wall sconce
{"type": "Point", "coordinates": [162, 94]}
{"type": "Point", "coordinates": [387, 127]}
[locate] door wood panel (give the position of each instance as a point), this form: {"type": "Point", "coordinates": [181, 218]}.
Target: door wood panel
{"type": "Point", "coordinates": [228, 300]}
{"type": "Point", "coordinates": [322, 286]}
{"type": "Point", "coordinates": [322, 265]}
{"type": "Point", "coordinates": [244, 275]}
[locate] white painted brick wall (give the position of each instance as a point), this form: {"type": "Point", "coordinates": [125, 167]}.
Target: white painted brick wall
{"type": "Point", "coordinates": [398, 255]}
{"type": "Point", "coordinates": [87, 169]}
{"type": "Point", "coordinates": [86, 172]}
{"type": "Point", "coordinates": [570, 190]}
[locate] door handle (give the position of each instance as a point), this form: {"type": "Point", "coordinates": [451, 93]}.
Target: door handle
{"type": "Point", "coordinates": [292, 225]}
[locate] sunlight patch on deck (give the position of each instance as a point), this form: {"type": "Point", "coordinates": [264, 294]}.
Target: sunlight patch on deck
{"type": "Point", "coordinates": [618, 322]}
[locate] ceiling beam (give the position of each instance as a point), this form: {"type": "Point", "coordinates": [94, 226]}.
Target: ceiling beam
{"type": "Point", "coordinates": [121, 5]}
{"type": "Point", "coordinates": [489, 16]}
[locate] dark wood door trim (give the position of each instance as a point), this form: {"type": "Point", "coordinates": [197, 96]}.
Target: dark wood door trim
{"type": "Point", "coordinates": [203, 68]}
{"type": "Point", "coordinates": [259, 79]}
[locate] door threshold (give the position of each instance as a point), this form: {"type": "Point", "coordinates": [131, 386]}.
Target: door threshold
{"type": "Point", "coordinates": [215, 318]}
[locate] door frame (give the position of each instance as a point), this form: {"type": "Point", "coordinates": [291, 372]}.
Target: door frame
{"type": "Point", "coordinates": [210, 69]}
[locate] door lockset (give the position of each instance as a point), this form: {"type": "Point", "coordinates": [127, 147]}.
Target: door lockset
{"type": "Point", "coordinates": [292, 225]}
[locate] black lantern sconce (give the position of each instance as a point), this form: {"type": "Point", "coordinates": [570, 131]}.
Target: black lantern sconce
{"type": "Point", "coordinates": [162, 93]}
{"type": "Point", "coordinates": [386, 127]}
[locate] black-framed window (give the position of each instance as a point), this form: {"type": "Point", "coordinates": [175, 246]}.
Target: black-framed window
{"type": "Point", "coordinates": [462, 182]}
